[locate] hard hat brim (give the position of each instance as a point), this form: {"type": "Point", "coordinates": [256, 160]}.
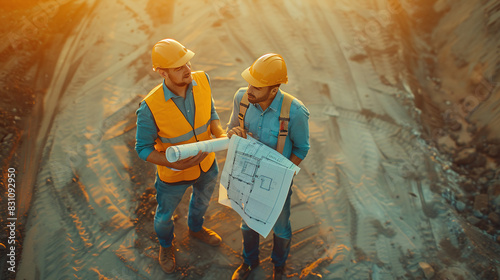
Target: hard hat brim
{"type": "Point", "coordinates": [183, 60]}
{"type": "Point", "coordinates": [250, 79]}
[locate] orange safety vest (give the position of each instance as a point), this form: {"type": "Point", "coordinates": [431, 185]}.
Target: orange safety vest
{"type": "Point", "coordinates": [174, 129]}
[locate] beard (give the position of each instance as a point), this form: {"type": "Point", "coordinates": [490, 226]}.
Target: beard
{"type": "Point", "coordinates": [184, 81]}
{"type": "Point", "coordinates": [254, 99]}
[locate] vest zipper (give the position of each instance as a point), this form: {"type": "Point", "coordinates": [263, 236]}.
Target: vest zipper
{"type": "Point", "coordinates": [192, 127]}
{"type": "Point", "coordinates": [196, 138]}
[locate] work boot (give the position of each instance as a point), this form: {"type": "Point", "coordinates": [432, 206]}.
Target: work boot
{"type": "Point", "coordinates": [243, 271]}
{"type": "Point", "coordinates": [279, 272]}
{"type": "Point", "coordinates": [167, 259]}
{"type": "Point", "coordinates": [207, 236]}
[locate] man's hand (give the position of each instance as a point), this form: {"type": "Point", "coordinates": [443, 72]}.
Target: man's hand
{"type": "Point", "coordinates": [238, 131]}
{"type": "Point", "coordinates": [189, 162]}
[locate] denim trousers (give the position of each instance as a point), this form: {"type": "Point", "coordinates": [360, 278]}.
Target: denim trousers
{"type": "Point", "coordinates": [168, 196]}
{"type": "Point", "coordinates": [281, 243]}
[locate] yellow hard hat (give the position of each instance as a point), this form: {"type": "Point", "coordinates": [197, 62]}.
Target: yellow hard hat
{"type": "Point", "coordinates": [267, 70]}
{"type": "Point", "coordinates": [168, 53]}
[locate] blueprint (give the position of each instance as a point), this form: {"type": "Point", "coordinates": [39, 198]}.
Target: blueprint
{"type": "Point", "coordinates": [255, 182]}
{"type": "Point", "coordinates": [176, 153]}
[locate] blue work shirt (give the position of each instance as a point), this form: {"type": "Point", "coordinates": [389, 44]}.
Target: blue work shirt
{"type": "Point", "coordinates": [147, 131]}
{"type": "Point", "coordinates": [265, 125]}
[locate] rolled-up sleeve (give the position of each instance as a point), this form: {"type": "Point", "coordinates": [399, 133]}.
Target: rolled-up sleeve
{"type": "Point", "coordinates": [299, 130]}
{"type": "Point", "coordinates": [146, 133]}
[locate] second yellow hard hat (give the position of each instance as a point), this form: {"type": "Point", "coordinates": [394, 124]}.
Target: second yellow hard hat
{"type": "Point", "coordinates": [267, 70]}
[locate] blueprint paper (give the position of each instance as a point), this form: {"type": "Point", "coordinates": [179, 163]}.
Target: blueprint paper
{"type": "Point", "coordinates": [176, 153]}
{"type": "Point", "coordinates": [255, 182]}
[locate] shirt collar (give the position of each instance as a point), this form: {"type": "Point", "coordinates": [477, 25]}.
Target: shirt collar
{"type": "Point", "coordinates": [275, 105]}
{"type": "Point", "coordinates": [169, 94]}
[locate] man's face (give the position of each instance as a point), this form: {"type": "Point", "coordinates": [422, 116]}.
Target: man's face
{"type": "Point", "coordinates": [259, 94]}
{"type": "Point", "coordinates": [180, 76]}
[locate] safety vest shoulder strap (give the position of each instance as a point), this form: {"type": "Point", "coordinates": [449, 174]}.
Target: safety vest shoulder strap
{"type": "Point", "coordinates": [284, 117]}
{"type": "Point", "coordinates": [201, 80]}
{"type": "Point", "coordinates": [284, 120]}
{"type": "Point", "coordinates": [155, 89]}
{"type": "Point", "coordinates": [243, 109]}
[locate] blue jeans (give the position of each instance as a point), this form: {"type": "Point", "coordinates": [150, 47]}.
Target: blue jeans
{"type": "Point", "coordinates": [169, 195]}
{"type": "Point", "coordinates": [282, 235]}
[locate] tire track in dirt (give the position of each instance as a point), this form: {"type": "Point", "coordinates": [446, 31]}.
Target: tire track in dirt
{"type": "Point", "coordinates": [368, 243]}
{"type": "Point", "coordinates": [364, 237]}
{"type": "Point", "coordinates": [83, 232]}
{"type": "Point", "coordinates": [349, 83]}
{"type": "Point", "coordinates": [381, 130]}
{"type": "Point", "coordinates": [324, 179]}
{"type": "Point", "coordinates": [83, 228]}
{"type": "Point", "coordinates": [69, 211]}
{"type": "Point", "coordinates": [383, 250]}
{"type": "Point", "coordinates": [37, 131]}
{"type": "Point", "coordinates": [233, 30]}
{"type": "Point", "coordinates": [56, 89]}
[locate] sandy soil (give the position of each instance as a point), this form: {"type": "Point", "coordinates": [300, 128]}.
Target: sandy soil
{"type": "Point", "coordinates": [378, 197]}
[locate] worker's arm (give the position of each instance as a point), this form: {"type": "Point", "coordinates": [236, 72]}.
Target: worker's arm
{"type": "Point", "coordinates": [160, 159]}
{"type": "Point", "coordinates": [299, 131]}
{"type": "Point", "coordinates": [146, 132]}
{"type": "Point", "coordinates": [216, 129]}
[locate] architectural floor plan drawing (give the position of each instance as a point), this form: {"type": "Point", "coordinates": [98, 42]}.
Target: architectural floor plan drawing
{"type": "Point", "coordinates": [255, 182]}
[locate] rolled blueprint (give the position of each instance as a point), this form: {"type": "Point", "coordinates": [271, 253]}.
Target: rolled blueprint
{"type": "Point", "coordinates": [176, 153]}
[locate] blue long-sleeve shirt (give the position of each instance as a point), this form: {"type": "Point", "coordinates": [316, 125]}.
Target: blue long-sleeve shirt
{"type": "Point", "coordinates": [147, 132]}
{"type": "Point", "coordinates": [264, 125]}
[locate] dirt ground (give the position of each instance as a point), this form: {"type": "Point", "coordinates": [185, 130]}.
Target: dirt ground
{"type": "Point", "coordinates": [401, 182]}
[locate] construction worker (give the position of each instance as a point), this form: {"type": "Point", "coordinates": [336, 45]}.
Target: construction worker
{"type": "Point", "coordinates": [280, 121]}
{"type": "Point", "coordinates": [180, 110]}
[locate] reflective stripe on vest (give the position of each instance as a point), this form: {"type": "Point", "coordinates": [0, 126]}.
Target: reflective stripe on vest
{"type": "Point", "coordinates": [187, 136]}
{"type": "Point", "coordinates": [174, 129]}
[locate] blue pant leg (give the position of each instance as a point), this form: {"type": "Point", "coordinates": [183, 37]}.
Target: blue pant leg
{"type": "Point", "coordinates": [282, 234]}
{"type": "Point", "coordinates": [200, 198]}
{"type": "Point", "coordinates": [168, 197]}
{"type": "Point", "coordinates": [250, 245]}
